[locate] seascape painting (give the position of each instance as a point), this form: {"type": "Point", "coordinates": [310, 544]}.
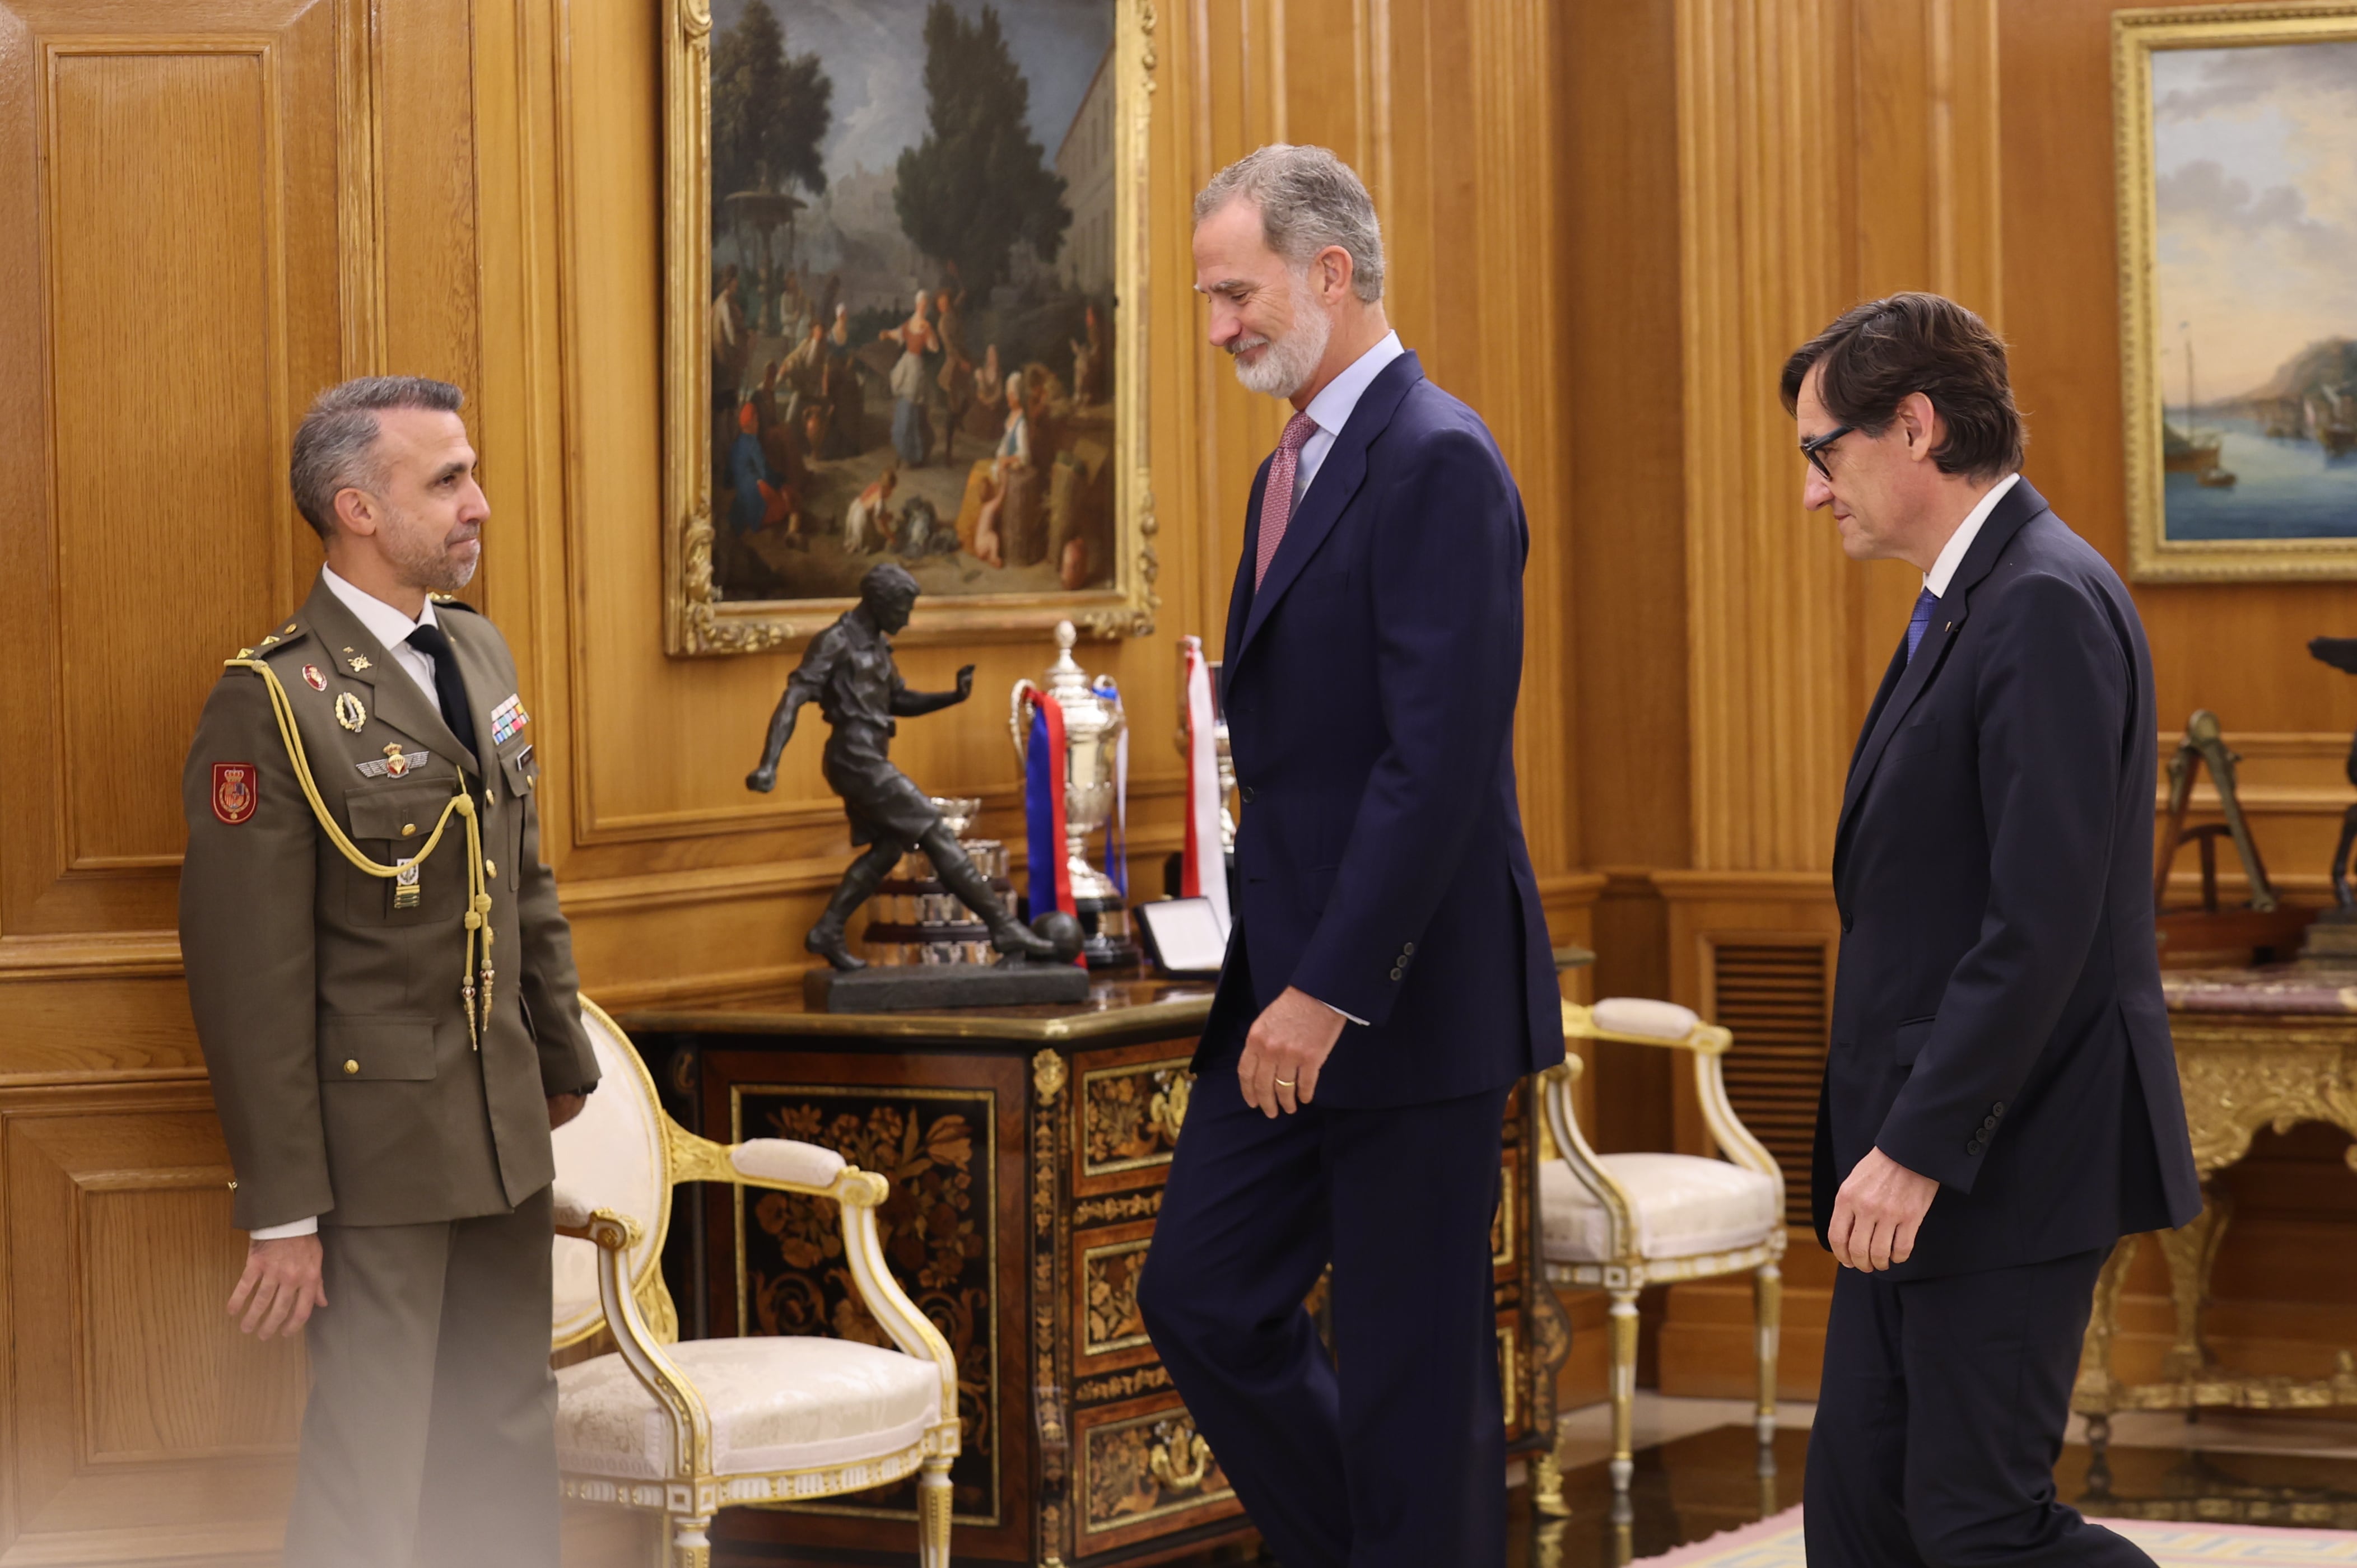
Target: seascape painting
{"type": "Point", "coordinates": [912, 323]}
{"type": "Point", "coordinates": [2243, 337]}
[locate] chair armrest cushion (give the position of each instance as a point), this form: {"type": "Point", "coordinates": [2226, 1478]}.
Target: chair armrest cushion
{"type": "Point", "coordinates": [782, 1159]}
{"type": "Point", "coordinates": [1637, 1015]}
{"type": "Point", "coordinates": [572, 1214]}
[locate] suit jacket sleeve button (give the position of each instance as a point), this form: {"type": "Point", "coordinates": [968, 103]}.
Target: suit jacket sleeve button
{"type": "Point", "coordinates": [1395, 974]}
{"type": "Point", "coordinates": [1988, 1125]}
{"type": "Point", "coordinates": [1974, 1147]}
{"type": "Point", "coordinates": [1408, 948]}
{"type": "Point", "coordinates": [1998, 1109]}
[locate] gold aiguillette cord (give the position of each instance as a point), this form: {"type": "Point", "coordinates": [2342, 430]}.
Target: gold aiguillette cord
{"type": "Point", "coordinates": [478, 897]}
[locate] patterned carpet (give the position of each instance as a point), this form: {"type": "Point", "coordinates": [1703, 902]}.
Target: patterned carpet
{"type": "Point", "coordinates": [1775, 1542]}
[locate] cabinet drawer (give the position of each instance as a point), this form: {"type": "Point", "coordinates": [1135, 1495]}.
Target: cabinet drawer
{"type": "Point", "coordinates": [1129, 1106]}
{"type": "Point", "coordinates": [1107, 1330]}
{"type": "Point", "coordinates": [1144, 1471]}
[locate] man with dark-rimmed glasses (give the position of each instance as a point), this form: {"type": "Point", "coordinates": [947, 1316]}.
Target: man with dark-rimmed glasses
{"type": "Point", "coordinates": [2000, 1101]}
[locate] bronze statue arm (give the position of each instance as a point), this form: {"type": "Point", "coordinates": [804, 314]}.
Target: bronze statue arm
{"type": "Point", "coordinates": [911, 704]}
{"type": "Point", "coordinates": [764, 778]}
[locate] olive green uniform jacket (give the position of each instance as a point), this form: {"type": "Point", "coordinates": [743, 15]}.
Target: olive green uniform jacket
{"type": "Point", "coordinates": [332, 1019]}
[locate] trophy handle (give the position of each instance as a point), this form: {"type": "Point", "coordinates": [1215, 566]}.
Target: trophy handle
{"type": "Point", "coordinates": [1018, 720]}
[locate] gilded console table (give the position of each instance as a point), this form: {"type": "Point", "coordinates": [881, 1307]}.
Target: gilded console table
{"type": "Point", "coordinates": [2255, 1048]}
{"type": "Point", "coordinates": [1026, 1149]}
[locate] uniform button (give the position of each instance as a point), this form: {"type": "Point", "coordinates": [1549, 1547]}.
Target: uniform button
{"type": "Point", "coordinates": [1246, 791]}
{"type": "Point", "coordinates": [490, 868]}
{"type": "Point", "coordinates": [409, 829]}
{"type": "Point", "coordinates": [351, 1066]}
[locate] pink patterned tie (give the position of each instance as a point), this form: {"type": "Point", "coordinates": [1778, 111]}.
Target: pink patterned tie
{"type": "Point", "coordinates": [1277, 500]}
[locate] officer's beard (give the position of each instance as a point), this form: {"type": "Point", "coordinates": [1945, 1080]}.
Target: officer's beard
{"type": "Point", "coordinates": [441, 565]}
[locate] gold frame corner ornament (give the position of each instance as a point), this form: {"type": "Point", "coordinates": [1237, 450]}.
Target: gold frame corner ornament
{"type": "Point", "coordinates": [697, 621]}
{"type": "Point", "coordinates": [2137, 35]}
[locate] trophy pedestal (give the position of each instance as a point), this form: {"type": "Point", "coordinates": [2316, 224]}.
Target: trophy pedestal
{"type": "Point", "coordinates": [930, 987]}
{"type": "Point", "coordinates": [1106, 940]}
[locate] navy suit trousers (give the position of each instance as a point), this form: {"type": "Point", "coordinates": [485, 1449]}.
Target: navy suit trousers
{"type": "Point", "coordinates": [1397, 1461]}
{"type": "Point", "coordinates": [1941, 1416]}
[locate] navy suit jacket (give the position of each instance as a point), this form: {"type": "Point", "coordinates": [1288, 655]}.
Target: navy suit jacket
{"type": "Point", "coordinates": [1370, 686]}
{"type": "Point", "coordinates": [1997, 1016]}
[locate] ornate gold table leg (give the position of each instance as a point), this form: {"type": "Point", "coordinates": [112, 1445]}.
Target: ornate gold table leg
{"type": "Point", "coordinates": [2096, 1393]}
{"type": "Point", "coordinates": [2191, 1253]}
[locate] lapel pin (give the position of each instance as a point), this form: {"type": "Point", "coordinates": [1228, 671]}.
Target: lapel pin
{"type": "Point", "coordinates": [349, 714]}
{"type": "Point", "coordinates": [359, 662]}
{"type": "Point", "coordinates": [312, 679]}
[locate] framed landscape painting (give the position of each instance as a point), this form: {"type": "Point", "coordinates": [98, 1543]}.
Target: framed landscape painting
{"type": "Point", "coordinates": [2237, 143]}
{"type": "Point", "coordinates": [904, 315]}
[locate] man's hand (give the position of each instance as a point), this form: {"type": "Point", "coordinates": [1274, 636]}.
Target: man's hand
{"type": "Point", "coordinates": [1877, 1212]}
{"type": "Point", "coordinates": [280, 1286]}
{"type": "Point", "coordinates": [1287, 1045]}
{"type": "Point", "coordinates": [966, 684]}
{"type": "Point", "coordinates": [564, 1108]}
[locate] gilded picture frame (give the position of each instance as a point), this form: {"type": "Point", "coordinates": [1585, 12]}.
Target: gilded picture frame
{"type": "Point", "coordinates": [2238, 376]}
{"type": "Point", "coordinates": [1080, 537]}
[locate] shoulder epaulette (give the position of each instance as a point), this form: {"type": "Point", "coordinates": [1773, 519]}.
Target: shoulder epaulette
{"type": "Point", "coordinates": [452, 602]}
{"type": "Point", "coordinates": [294, 631]}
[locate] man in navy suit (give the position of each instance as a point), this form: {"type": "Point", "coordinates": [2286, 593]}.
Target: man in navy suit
{"type": "Point", "coordinates": [2000, 1100]}
{"type": "Point", "coordinates": [1388, 979]}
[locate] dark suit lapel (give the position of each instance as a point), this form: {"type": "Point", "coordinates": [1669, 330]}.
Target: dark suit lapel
{"type": "Point", "coordinates": [1337, 481]}
{"type": "Point", "coordinates": [2020, 504]}
{"type": "Point", "coordinates": [1240, 597]}
{"type": "Point", "coordinates": [398, 702]}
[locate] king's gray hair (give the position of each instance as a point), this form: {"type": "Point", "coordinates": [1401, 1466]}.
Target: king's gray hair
{"type": "Point", "coordinates": [1309, 199]}
{"type": "Point", "coordinates": [333, 443]}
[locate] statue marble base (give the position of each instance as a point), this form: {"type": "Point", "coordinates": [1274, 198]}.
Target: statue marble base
{"type": "Point", "coordinates": [932, 987]}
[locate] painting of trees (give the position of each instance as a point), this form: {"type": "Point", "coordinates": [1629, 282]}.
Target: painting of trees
{"type": "Point", "coordinates": [977, 185]}
{"type": "Point", "coordinates": [770, 112]}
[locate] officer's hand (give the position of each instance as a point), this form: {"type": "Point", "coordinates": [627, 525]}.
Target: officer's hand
{"type": "Point", "coordinates": [965, 682]}
{"type": "Point", "coordinates": [1877, 1212]}
{"type": "Point", "coordinates": [280, 1286]}
{"type": "Point", "coordinates": [762, 779]}
{"type": "Point", "coordinates": [564, 1108]}
{"type": "Point", "coordinates": [1290, 1041]}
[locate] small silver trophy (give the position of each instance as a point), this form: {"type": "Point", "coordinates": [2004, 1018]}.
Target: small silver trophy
{"type": "Point", "coordinates": [1093, 729]}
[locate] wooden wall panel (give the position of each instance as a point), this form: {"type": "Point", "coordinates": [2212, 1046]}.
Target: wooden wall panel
{"type": "Point", "coordinates": [169, 272]}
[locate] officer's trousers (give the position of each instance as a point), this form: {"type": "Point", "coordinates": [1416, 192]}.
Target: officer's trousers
{"type": "Point", "coordinates": [430, 1437]}
{"type": "Point", "coordinates": [1941, 1417]}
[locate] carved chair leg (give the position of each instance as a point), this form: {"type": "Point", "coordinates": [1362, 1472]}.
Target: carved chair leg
{"type": "Point", "coordinates": [1767, 1318]}
{"type": "Point", "coordinates": [1546, 1484]}
{"type": "Point", "coordinates": [1624, 1387]}
{"type": "Point", "coordinates": [934, 1515]}
{"type": "Point", "coordinates": [690, 1547]}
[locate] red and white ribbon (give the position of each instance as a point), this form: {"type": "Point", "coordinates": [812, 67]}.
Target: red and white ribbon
{"type": "Point", "coordinates": [1204, 870]}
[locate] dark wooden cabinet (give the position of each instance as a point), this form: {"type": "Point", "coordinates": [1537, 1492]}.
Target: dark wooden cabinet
{"type": "Point", "coordinates": [1026, 1149]}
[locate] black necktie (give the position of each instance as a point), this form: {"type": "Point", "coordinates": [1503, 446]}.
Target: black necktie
{"type": "Point", "coordinates": [435, 643]}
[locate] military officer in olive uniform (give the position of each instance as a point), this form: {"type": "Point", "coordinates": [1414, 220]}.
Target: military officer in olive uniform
{"type": "Point", "coordinates": [386, 993]}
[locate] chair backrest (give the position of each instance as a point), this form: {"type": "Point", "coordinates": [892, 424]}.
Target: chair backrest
{"type": "Point", "coordinates": [613, 1156]}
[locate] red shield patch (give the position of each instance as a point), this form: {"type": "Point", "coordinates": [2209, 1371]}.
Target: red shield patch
{"type": "Point", "coordinates": [235, 791]}
{"type": "Point", "coordinates": [312, 679]}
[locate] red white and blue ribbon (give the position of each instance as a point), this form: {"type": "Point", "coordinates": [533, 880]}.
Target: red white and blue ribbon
{"type": "Point", "coordinates": [1045, 765]}
{"type": "Point", "coordinates": [1203, 871]}
{"type": "Point", "coordinates": [1117, 831]}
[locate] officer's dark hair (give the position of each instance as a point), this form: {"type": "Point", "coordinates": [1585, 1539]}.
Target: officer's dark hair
{"type": "Point", "coordinates": [335, 444]}
{"type": "Point", "coordinates": [1875, 354]}
{"type": "Point", "coordinates": [889, 581]}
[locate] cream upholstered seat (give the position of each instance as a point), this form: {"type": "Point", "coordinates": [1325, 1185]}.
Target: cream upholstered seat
{"type": "Point", "coordinates": [683, 1428]}
{"type": "Point", "coordinates": [1624, 1221]}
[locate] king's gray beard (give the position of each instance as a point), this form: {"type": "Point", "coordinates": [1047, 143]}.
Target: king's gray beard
{"type": "Point", "coordinates": [1288, 362]}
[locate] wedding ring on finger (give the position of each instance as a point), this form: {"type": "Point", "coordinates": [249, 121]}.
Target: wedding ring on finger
{"type": "Point", "coordinates": [1285, 1083]}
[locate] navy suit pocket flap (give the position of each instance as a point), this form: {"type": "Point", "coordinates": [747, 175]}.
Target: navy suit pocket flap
{"type": "Point", "coordinates": [1910, 1040]}
{"type": "Point", "coordinates": [1923, 734]}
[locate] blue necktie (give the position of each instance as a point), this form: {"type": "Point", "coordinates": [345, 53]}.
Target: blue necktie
{"type": "Point", "coordinates": [1921, 621]}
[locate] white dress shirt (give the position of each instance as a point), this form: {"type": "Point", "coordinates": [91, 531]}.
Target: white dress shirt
{"type": "Point", "coordinates": [1952, 555]}
{"type": "Point", "coordinates": [1331, 410]}
{"type": "Point", "coordinates": [391, 628]}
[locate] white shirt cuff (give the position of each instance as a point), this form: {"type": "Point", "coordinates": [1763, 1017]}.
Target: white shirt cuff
{"type": "Point", "coordinates": [1352, 1016]}
{"type": "Point", "coordinates": [281, 1232]}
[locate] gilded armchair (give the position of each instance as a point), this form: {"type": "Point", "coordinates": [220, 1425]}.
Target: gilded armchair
{"type": "Point", "coordinates": [687, 1428]}
{"type": "Point", "coordinates": [1620, 1222]}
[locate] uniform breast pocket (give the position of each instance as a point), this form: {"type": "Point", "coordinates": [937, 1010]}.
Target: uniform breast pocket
{"type": "Point", "coordinates": [376, 1048]}
{"type": "Point", "coordinates": [521, 771]}
{"type": "Point", "coordinates": [390, 824]}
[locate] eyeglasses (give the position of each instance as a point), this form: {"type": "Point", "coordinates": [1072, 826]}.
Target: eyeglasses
{"type": "Point", "coordinates": [1813, 447]}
